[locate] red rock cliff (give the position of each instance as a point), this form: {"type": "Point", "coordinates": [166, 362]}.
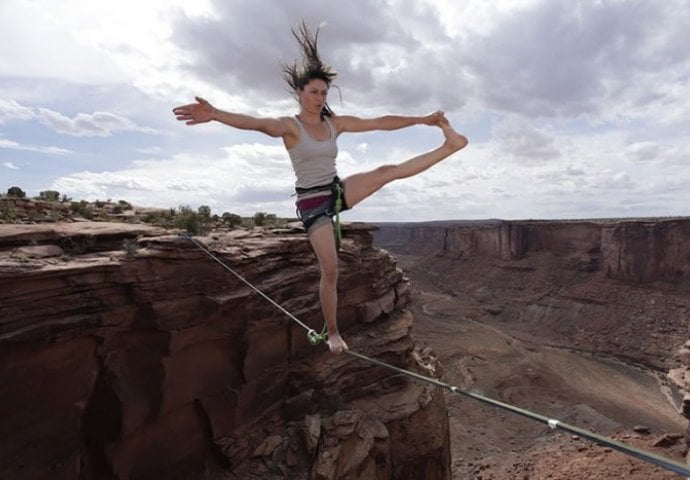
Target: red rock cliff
{"type": "Point", "coordinates": [142, 359]}
{"type": "Point", "coordinates": [629, 250]}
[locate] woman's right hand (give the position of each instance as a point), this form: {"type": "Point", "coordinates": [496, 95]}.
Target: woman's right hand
{"type": "Point", "coordinates": [194, 113]}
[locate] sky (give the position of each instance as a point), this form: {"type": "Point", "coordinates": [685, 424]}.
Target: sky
{"type": "Point", "coordinates": [573, 108]}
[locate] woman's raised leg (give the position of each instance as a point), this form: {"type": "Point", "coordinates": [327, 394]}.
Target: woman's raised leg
{"type": "Point", "coordinates": [361, 185]}
{"type": "Point", "coordinates": [323, 242]}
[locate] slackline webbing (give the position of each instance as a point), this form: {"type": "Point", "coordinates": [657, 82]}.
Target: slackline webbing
{"type": "Point", "coordinates": [316, 338]}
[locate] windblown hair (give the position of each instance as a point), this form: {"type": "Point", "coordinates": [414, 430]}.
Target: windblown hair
{"type": "Point", "coordinates": [298, 75]}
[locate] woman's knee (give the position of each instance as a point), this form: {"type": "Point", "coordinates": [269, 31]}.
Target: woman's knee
{"type": "Point", "coordinates": [329, 272]}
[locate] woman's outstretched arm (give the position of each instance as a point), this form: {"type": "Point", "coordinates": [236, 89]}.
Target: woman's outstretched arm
{"type": "Point", "coordinates": [202, 112]}
{"type": "Point", "coordinates": [347, 123]}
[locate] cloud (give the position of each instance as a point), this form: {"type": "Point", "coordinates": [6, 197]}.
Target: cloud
{"type": "Point", "coordinates": [37, 42]}
{"type": "Point", "coordinates": [10, 144]}
{"type": "Point", "coordinates": [150, 150]}
{"type": "Point", "coordinates": [522, 140]}
{"type": "Point", "coordinates": [98, 124]}
{"type": "Point", "coordinates": [573, 108]}
{"type": "Point", "coordinates": [655, 152]}
{"type": "Point", "coordinates": [643, 151]}
{"type": "Point", "coordinates": [563, 58]}
{"type": "Point", "coordinates": [243, 178]}
{"type": "Point", "coordinates": [10, 165]}
{"type": "Point", "coordinates": [380, 53]}
{"type": "Point", "coordinates": [12, 110]}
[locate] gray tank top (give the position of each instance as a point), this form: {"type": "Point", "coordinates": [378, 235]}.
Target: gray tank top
{"type": "Point", "coordinates": [313, 160]}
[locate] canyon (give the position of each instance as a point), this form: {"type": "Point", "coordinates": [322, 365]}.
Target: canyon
{"type": "Point", "coordinates": [126, 352]}
{"type": "Point", "coordinates": [581, 321]}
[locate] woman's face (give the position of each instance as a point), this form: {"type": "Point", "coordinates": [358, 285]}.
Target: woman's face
{"type": "Point", "coordinates": [313, 96]}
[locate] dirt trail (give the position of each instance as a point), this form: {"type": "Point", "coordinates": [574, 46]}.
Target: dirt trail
{"type": "Point", "coordinates": [593, 392]}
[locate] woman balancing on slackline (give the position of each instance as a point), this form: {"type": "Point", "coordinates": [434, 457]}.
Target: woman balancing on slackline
{"type": "Point", "coordinates": [310, 139]}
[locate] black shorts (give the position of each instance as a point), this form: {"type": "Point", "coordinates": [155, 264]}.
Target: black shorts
{"type": "Point", "coordinates": [320, 209]}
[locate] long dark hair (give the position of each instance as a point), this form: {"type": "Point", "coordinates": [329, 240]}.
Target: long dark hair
{"type": "Point", "coordinates": [298, 75]}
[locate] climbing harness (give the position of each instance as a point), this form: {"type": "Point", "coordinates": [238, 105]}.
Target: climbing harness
{"type": "Point", "coordinates": [338, 207]}
{"type": "Point", "coordinates": [316, 338]}
{"type": "Point", "coordinates": [331, 208]}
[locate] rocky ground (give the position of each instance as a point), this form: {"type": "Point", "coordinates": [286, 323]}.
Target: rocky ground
{"type": "Point", "coordinates": [597, 361]}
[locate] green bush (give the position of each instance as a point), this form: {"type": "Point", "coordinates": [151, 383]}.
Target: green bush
{"type": "Point", "coordinates": [231, 219]}
{"type": "Point", "coordinates": [164, 218]}
{"type": "Point", "coordinates": [263, 219]}
{"type": "Point", "coordinates": [8, 211]}
{"type": "Point", "coordinates": [82, 209]}
{"type": "Point", "coordinates": [204, 211]}
{"type": "Point", "coordinates": [191, 221]}
{"type": "Point", "coordinates": [16, 192]}
{"type": "Point", "coordinates": [260, 219]}
{"type": "Point", "coordinates": [78, 245]}
{"type": "Point", "coordinates": [49, 196]}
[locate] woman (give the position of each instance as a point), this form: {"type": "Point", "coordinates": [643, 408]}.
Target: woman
{"type": "Point", "coordinates": [310, 139]}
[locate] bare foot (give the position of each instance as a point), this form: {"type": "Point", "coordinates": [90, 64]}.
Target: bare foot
{"type": "Point", "coordinates": [454, 140]}
{"type": "Point", "coordinates": [336, 343]}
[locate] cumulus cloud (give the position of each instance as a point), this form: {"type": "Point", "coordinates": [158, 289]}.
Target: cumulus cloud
{"type": "Point", "coordinates": [573, 108]}
{"type": "Point", "coordinates": [380, 53]}
{"type": "Point", "coordinates": [566, 58]}
{"type": "Point", "coordinates": [555, 58]}
{"type": "Point", "coordinates": [243, 178]}
{"type": "Point", "coordinates": [10, 166]}
{"type": "Point", "coordinates": [98, 124]}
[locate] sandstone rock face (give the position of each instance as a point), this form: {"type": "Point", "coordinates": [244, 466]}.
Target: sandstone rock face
{"type": "Point", "coordinates": [150, 360]}
{"type": "Point", "coordinates": [645, 251]}
{"type": "Point", "coordinates": [636, 251]}
{"type": "Point", "coordinates": [613, 288]}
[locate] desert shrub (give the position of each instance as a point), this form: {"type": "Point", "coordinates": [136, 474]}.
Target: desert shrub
{"type": "Point", "coordinates": [191, 221]}
{"type": "Point", "coordinates": [16, 192]}
{"type": "Point", "coordinates": [8, 211]}
{"type": "Point", "coordinates": [78, 245]}
{"type": "Point", "coordinates": [231, 219]}
{"type": "Point", "coordinates": [164, 218]}
{"type": "Point", "coordinates": [82, 209]}
{"type": "Point", "coordinates": [263, 219]}
{"type": "Point", "coordinates": [49, 195]}
{"type": "Point", "coordinates": [204, 211]}
{"type": "Point", "coordinates": [124, 205]}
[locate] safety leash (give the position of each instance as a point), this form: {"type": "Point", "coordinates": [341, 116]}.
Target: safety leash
{"type": "Point", "coordinates": [314, 337]}
{"type": "Point", "coordinates": [338, 207]}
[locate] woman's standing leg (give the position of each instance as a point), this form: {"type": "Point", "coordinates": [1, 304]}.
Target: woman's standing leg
{"type": "Point", "coordinates": [323, 242]}
{"type": "Point", "coordinates": [361, 185]}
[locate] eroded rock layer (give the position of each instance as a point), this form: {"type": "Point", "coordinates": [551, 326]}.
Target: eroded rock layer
{"type": "Point", "coordinates": [629, 250]}
{"type": "Point", "coordinates": [128, 353]}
